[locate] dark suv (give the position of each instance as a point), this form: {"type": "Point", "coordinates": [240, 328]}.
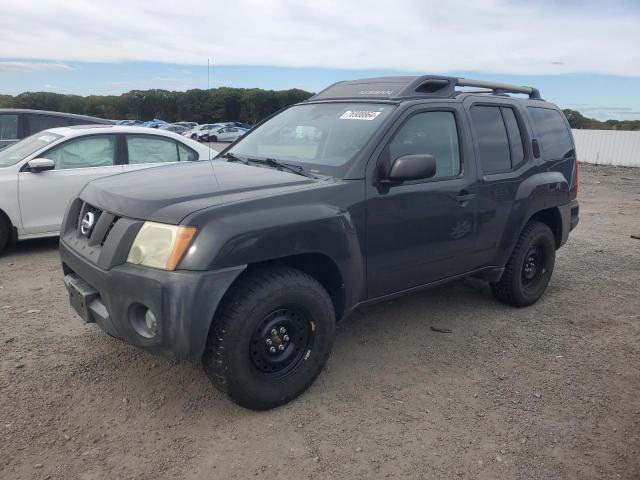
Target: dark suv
{"type": "Point", "coordinates": [371, 189]}
{"type": "Point", "coordinates": [18, 123]}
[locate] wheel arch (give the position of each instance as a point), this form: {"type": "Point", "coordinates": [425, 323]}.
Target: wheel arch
{"type": "Point", "coordinates": [553, 219]}
{"type": "Point", "coordinates": [317, 265]}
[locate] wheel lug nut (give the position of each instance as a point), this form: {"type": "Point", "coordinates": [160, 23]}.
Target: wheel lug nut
{"type": "Point", "coordinates": [269, 341]}
{"type": "Point", "coordinates": [272, 350]}
{"type": "Point", "coordinates": [280, 347]}
{"type": "Point", "coordinates": [283, 330]}
{"type": "Point", "coordinates": [274, 332]}
{"type": "Point", "coordinates": [286, 338]}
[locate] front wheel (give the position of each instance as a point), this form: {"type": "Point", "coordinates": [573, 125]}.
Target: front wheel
{"type": "Point", "coordinates": [271, 337]}
{"type": "Point", "coordinates": [213, 139]}
{"type": "Point", "coordinates": [5, 234]}
{"type": "Point", "coordinates": [529, 268]}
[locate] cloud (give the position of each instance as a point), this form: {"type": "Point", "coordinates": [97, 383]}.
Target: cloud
{"type": "Point", "coordinates": [497, 36]}
{"type": "Point", "coordinates": [8, 66]}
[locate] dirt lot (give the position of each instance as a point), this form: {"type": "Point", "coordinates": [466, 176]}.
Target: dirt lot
{"type": "Point", "coordinates": [547, 392]}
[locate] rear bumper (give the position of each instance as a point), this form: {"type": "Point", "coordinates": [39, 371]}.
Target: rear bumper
{"type": "Point", "coordinates": [570, 214]}
{"type": "Point", "coordinates": [184, 302]}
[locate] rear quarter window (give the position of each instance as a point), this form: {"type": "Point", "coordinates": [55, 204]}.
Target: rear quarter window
{"type": "Point", "coordinates": [552, 132]}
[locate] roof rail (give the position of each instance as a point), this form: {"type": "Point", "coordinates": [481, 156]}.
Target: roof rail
{"type": "Point", "coordinates": [496, 87]}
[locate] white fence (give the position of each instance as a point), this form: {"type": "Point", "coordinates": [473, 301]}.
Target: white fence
{"type": "Point", "coordinates": [608, 147]}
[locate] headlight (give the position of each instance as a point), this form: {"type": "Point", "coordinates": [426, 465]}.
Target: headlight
{"type": "Point", "coordinates": [160, 246]}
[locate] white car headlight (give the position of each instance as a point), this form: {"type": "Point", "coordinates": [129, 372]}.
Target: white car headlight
{"type": "Point", "coordinates": [159, 245]}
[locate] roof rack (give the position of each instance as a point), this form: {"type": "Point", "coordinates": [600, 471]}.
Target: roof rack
{"type": "Point", "coordinates": [396, 88]}
{"type": "Point", "coordinates": [498, 88]}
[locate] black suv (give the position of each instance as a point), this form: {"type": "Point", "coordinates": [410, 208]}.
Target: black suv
{"type": "Point", "coordinates": [371, 189]}
{"type": "Point", "coordinates": [18, 123]}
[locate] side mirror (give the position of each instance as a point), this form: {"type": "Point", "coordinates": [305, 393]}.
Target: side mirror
{"type": "Point", "coordinates": [411, 167]}
{"type": "Point", "coordinates": [40, 165]}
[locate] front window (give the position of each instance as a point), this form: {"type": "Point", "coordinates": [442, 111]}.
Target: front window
{"type": "Point", "coordinates": [30, 145]}
{"type": "Point", "coordinates": [322, 138]}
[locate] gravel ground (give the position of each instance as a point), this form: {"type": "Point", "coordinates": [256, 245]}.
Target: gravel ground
{"type": "Point", "coordinates": [546, 392]}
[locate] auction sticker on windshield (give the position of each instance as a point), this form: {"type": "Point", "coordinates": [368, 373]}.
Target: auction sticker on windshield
{"type": "Point", "coordinates": [359, 115]}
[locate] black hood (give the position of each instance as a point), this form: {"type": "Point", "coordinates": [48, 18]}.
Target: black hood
{"type": "Point", "coordinates": [170, 193]}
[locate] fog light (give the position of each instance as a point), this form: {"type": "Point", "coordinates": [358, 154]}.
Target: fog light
{"type": "Point", "coordinates": [151, 322]}
{"type": "Point", "coordinates": [143, 321]}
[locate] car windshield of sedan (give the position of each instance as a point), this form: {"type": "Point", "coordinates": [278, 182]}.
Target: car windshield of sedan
{"type": "Point", "coordinates": [22, 149]}
{"type": "Point", "coordinates": [321, 138]}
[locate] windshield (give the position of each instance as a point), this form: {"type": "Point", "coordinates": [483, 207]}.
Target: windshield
{"type": "Point", "coordinates": [22, 149]}
{"type": "Point", "coordinates": [322, 138]}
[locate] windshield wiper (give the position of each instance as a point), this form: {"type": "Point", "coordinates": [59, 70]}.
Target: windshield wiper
{"type": "Point", "coordinates": [232, 158]}
{"type": "Point", "coordinates": [273, 163]}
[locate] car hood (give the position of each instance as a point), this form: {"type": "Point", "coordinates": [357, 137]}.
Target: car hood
{"type": "Point", "coordinates": [169, 193]}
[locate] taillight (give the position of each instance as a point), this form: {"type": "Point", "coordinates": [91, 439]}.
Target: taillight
{"type": "Point", "coordinates": [576, 182]}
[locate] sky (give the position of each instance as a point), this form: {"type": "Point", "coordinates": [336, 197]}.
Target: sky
{"type": "Point", "coordinates": [581, 54]}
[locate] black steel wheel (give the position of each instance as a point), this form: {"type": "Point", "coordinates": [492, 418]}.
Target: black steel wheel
{"type": "Point", "coordinates": [270, 338]}
{"type": "Point", "coordinates": [281, 340]}
{"type": "Point", "coordinates": [529, 268]}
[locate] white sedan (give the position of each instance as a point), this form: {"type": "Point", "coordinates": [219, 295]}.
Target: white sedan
{"type": "Point", "coordinates": [40, 174]}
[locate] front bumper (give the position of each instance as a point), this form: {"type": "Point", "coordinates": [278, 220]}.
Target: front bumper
{"type": "Point", "coordinates": [184, 302]}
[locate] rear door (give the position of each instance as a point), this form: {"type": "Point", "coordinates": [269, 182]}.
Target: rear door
{"type": "Point", "coordinates": [44, 196]}
{"type": "Point", "coordinates": [504, 162]}
{"type": "Point", "coordinates": [144, 151]}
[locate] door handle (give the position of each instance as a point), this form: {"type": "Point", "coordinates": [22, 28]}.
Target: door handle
{"type": "Point", "coordinates": [465, 197]}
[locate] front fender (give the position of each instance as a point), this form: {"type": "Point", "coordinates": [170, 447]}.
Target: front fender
{"type": "Point", "coordinates": [273, 228]}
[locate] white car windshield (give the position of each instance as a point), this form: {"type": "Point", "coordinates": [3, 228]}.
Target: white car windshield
{"type": "Point", "coordinates": [22, 149]}
{"type": "Point", "coordinates": [321, 137]}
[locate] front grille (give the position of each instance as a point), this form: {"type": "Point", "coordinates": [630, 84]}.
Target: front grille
{"type": "Point", "coordinates": [109, 239]}
{"type": "Point", "coordinates": [102, 225]}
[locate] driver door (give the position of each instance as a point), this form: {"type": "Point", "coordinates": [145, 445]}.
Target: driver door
{"type": "Point", "coordinates": [44, 196]}
{"type": "Point", "coordinates": [422, 231]}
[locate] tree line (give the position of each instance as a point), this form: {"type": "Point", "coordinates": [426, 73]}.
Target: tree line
{"type": "Point", "coordinates": [197, 105]}
{"type": "Point", "coordinates": [247, 105]}
{"type": "Point", "coordinates": [577, 120]}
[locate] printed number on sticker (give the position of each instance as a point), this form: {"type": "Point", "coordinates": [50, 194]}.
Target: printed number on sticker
{"type": "Point", "coordinates": [359, 115]}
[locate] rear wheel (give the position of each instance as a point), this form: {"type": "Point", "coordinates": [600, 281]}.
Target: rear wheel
{"type": "Point", "coordinates": [529, 268]}
{"type": "Point", "coordinates": [213, 139]}
{"type": "Point", "coordinates": [270, 338]}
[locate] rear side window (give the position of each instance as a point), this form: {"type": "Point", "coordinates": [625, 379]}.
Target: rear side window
{"type": "Point", "coordinates": [432, 133]}
{"type": "Point", "coordinates": [8, 127]}
{"type": "Point", "coordinates": [499, 139]}
{"type": "Point", "coordinates": [38, 123]}
{"type": "Point", "coordinates": [553, 134]}
{"type": "Point", "coordinates": [186, 154]}
{"type": "Point", "coordinates": [493, 144]}
{"type": "Point", "coordinates": [150, 149]}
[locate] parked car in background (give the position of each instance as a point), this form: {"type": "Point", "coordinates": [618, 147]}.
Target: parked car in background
{"type": "Point", "coordinates": [199, 130]}
{"type": "Point", "coordinates": [128, 122]}
{"type": "Point", "coordinates": [224, 134]}
{"type": "Point", "coordinates": [41, 173]}
{"type": "Point", "coordinates": [155, 123]}
{"type": "Point", "coordinates": [188, 125]}
{"type": "Point", "coordinates": [17, 123]}
{"type": "Point", "coordinates": [173, 127]}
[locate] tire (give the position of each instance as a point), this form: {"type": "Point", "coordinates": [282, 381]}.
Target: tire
{"type": "Point", "coordinates": [194, 136]}
{"type": "Point", "coordinates": [238, 357]}
{"type": "Point", "coordinates": [529, 268]}
{"type": "Point", "coordinates": [213, 139]}
{"type": "Point", "coordinates": [5, 234]}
